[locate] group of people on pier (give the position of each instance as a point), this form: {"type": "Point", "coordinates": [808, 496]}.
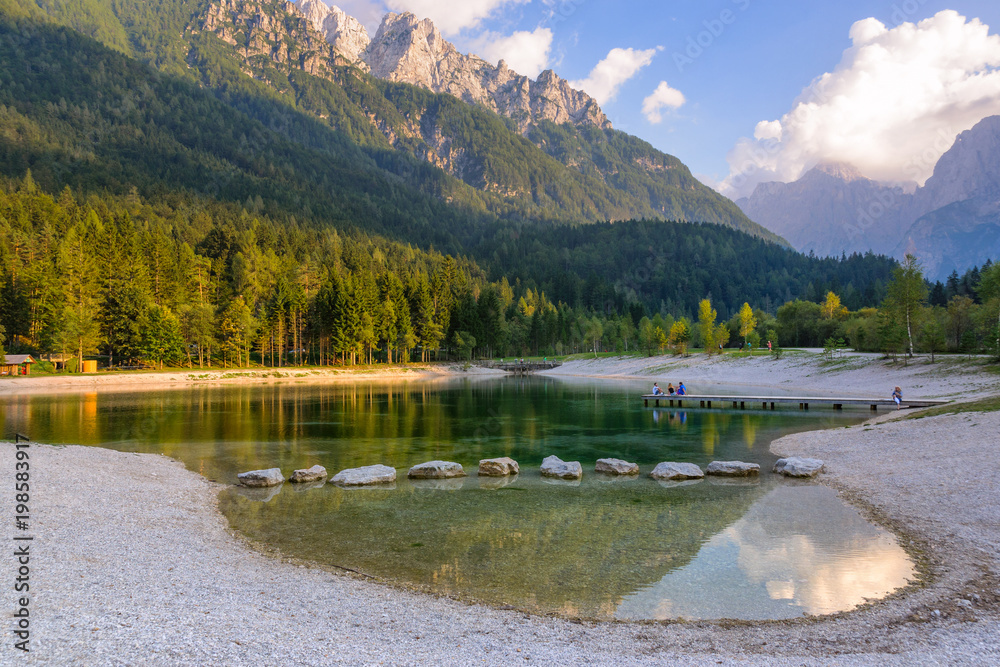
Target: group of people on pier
{"type": "Point", "coordinates": [671, 391]}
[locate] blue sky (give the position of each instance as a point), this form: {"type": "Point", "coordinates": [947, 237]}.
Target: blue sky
{"type": "Point", "coordinates": [735, 63]}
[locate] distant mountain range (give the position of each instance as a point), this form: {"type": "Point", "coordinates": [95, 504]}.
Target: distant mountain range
{"type": "Point", "coordinates": [951, 223]}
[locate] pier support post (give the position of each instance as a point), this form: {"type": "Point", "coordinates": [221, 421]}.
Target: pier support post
{"type": "Point", "coordinates": [742, 406]}
{"type": "Point", "coordinates": [772, 405]}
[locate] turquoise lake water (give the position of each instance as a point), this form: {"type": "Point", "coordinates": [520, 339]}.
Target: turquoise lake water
{"type": "Point", "coordinates": [601, 548]}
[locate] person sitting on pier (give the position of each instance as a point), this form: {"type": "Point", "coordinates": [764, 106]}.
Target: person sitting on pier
{"type": "Point", "coordinates": [656, 390]}
{"type": "Point", "coordinates": [897, 395]}
{"type": "Point", "coordinates": [670, 388]}
{"type": "Point", "coordinates": [680, 389]}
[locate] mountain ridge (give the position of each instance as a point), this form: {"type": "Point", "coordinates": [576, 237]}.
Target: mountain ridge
{"type": "Point", "coordinates": [410, 50]}
{"type": "Point", "coordinates": [835, 209]}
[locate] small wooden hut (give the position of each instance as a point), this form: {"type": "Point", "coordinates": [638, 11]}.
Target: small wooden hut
{"type": "Point", "coordinates": [16, 364]}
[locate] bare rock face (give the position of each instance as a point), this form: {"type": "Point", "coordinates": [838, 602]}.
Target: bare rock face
{"type": "Point", "coordinates": [412, 51]}
{"type": "Point", "coordinates": [287, 39]}
{"type": "Point", "coordinates": [553, 466]}
{"type": "Point", "coordinates": [732, 469]}
{"type": "Point", "coordinates": [344, 32]}
{"type": "Point", "coordinates": [436, 470]}
{"type": "Point", "coordinates": [501, 467]}
{"type": "Point", "coordinates": [365, 476]}
{"type": "Point", "coordinates": [795, 466]}
{"type": "Point", "coordinates": [676, 471]}
{"type": "Point", "coordinates": [261, 478]}
{"type": "Point", "coordinates": [616, 467]}
{"type": "Point", "coordinates": [312, 474]}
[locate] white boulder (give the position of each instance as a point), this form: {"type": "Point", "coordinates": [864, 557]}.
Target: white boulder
{"type": "Point", "coordinates": [553, 466]}
{"type": "Point", "coordinates": [313, 474]}
{"type": "Point", "coordinates": [795, 466]}
{"type": "Point", "coordinates": [501, 467]}
{"type": "Point", "coordinates": [436, 470]}
{"type": "Point", "coordinates": [732, 469]}
{"type": "Point", "coordinates": [259, 478]}
{"type": "Point", "coordinates": [365, 476]}
{"type": "Point", "coordinates": [669, 470]}
{"type": "Point", "coordinates": [616, 467]}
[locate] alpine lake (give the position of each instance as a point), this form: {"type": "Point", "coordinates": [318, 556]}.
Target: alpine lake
{"type": "Point", "coordinates": [601, 548]}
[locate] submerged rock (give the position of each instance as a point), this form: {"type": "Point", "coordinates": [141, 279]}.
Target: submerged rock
{"type": "Point", "coordinates": [259, 494]}
{"type": "Point", "coordinates": [501, 467]}
{"type": "Point", "coordinates": [669, 470]}
{"type": "Point", "coordinates": [365, 476]}
{"type": "Point", "coordinates": [795, 466]}
{"type": "Point", "coordinates": [732, 469]}
{"type": "Point", "coordinates": [616, 467]}
{"type": "Point", "coordinates": [553, 466]}
{"type": "Point", "coordinates": [439, 483]}
{"type": "Point", "coordinates": [259, 478]}
{"type": "Point", "coordinates": [436, 470]}
{"type": "Point", "coordinates": [313, 474]}
{"type": "Point", "coordinates": [496, 482]}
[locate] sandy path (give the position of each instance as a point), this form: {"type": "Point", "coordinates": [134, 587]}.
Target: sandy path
{"type": "Point", "coordinates": [133, 564]}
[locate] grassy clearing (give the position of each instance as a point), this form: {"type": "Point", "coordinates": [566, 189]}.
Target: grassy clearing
{"type": "Point", "coordinates": [991, 404]}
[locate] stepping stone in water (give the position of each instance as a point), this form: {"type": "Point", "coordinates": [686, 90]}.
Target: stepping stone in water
{"type": "Point", "coordinates": [732, 469]}
{"type": "Point", "coordinates": [313, 474]}
{"type": "Point", "coordinates": [258, 478]}
{"type": "Point", "coordinates": [436, 470]}
{"type": "Point", "coordinates": [501, 467]}
{"type": "Point", "coordinates": [365, 476]}
{"type": "Point", "coordinates": [669, 470]}
{"type": "Point", "coordinates": [795, 466]}
{"type": "Point", "coordinates": [553, 466]}
{"type": "Point", "coordinates": [616, 467]}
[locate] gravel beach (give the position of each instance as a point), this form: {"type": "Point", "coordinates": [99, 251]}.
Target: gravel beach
{"type": "Point", "coordinates": [133, 564]}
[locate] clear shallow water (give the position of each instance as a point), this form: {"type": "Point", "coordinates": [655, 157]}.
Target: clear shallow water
{"type": "Point", "coordinates": [603, 548]}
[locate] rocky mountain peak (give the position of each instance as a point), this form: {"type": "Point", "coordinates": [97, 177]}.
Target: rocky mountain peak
{"type": "Point", "coordinates": [411, 50]}
{"type": "Point", "coordinates": [345, 33]}
{"type": "Point", "coordinates": [839, 170]}
{"type": "Point", "coordinates": [971, 167]}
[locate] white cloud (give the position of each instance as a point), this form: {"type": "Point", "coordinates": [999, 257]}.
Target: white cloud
{"type": "Point", "coordinates": [449, 16]}
{"type": "Point", "coordinates": [664, 97]}
{"type": "Point", "coordinates": [608, 75]}
{"type": "Point", "coordinates": [525, 52]}
{"type": "Point", "coordinates": [891, 107]}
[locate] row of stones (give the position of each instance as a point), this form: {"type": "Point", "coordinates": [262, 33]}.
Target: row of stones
{"type": "Point", "coordinates": [552, 466]}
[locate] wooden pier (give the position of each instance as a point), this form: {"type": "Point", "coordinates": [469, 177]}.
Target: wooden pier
{"type": "Point", "coordinates": [768, 402]}
{"type": "Point", "coordinates": [521, 367]}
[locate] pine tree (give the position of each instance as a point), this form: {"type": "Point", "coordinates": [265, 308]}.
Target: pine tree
{"type": "Point", "coordinates": [161, 339]}
{"type": "Point", "coordinates": [988, 290]}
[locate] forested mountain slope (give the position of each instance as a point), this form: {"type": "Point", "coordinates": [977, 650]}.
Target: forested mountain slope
{"type": "Point", "coordinates": [267, 60]}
